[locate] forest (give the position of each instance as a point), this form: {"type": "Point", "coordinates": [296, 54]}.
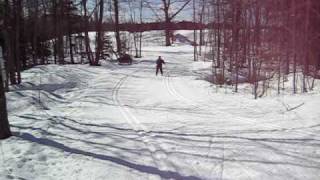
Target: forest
{"type": "Point", "coordinates": [257, 55]}
{"type": "Point", "coordinates": [244, 36]}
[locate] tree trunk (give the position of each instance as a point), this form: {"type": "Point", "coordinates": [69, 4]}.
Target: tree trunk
{"type": "Point", "coordinates": [34, 33]}
{"type": "Point", "coordinates": [71, 45]}
{"type": "Point", "coordinates": [60, 24]}
{"type": "Point", "coordinates": [86, 32]}
{"type": "Point", "coordinates": [236, 39]}
{"type": "Point", "coordinates": [167, 21]}
{"type": "Point", "coordinates": [140, 33]}
{"type": "Point", "coordinates": [4, 123]}
{"type": "Point", "coordinates": [117, 30]}
{"type": "Point", "coordinates": [18, 11]}
{"type": "Point", "coordinates": [218, 35]}
{"type": "Point", "coordinates": [71, 48]}
{"type": "Point", "coordinates": [306, 46]}
{"type": "Point", "coordinates": [201, 36]}
{"type": "Point", "coordinates": [195, 58]}
{"type": "Point", "coordinates": [99, 35]}
{"type": "Point", "coordinates": [167, 30]}
{"type": "Point", "coordinates": [294, 40]}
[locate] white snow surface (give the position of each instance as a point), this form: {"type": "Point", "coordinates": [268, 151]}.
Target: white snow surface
{"type": "Point", "coordinates": [123, 122]}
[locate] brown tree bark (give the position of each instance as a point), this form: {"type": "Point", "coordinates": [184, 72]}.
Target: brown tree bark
{"type": "Point", "coordinates": [86, 32]}
{"type": "Point", "coordinates": [60, 26]}
{"type": "Point", "coordinates": [99, 34]}
{"type": "Point", "coordinates": [4, 123]}
{"type": "Point", "coordinates": [116, 26]}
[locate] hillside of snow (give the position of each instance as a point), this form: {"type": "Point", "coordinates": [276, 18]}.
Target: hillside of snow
{"type": "Point", "coordinates": [123, 122]}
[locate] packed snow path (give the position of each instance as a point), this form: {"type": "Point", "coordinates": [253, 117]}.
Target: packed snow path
{"type": "Point", "coordinates": [123, 122]}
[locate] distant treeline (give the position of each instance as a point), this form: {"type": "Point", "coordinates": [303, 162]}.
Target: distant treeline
{"type": "Point", "coordinates": [49, 33]}
{"type": "Point", "coordinates": [136, 27]}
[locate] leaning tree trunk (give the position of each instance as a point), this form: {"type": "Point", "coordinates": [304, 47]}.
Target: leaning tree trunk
{"type": "Point", "coordinates": [4, 123]}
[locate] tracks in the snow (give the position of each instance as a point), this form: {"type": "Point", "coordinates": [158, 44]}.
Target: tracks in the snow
{"type": "Point", "coordinates": [155, 147]}
{"type": "Point", "coordinates": [172, 90]}
{"type": "Point", "coordinates": [157, 152]}
{"type": "Point", "coordinates": [195, 105]}
{"type": "Point", "coordinates": [174, 93]}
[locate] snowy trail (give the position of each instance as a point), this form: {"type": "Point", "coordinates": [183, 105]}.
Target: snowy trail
{"type": "Point", "coordinates": [141, 129]}
{"type": "Point", "coordinates": [123, 122]}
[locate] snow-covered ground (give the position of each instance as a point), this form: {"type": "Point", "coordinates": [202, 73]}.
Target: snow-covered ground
{"type": "Point", "coordinates": [123, 122]}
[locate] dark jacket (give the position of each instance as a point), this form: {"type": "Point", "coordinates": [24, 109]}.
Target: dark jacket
{"type": "Point", "coordinates": [160, 62]}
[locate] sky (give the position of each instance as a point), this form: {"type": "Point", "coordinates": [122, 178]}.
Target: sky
{"type": "Point", "coordinates": [149, 14]}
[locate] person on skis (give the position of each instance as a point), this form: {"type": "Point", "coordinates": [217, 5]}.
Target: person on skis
{"type": "Point", "coordinates": [159, 63]}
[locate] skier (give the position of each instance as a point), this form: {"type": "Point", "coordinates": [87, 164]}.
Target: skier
{"type": "Point", "coordinates": [159, 63]}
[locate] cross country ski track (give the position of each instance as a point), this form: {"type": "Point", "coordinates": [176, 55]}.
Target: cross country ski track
{"type": "Point", "coordinates": [142, 126]}
{"type": "Point", "coordinates": [154, 144]}
{"type": "Point", "coordinates": [156, 147]}
{"type": "Point", "coordinates": [157, 152]}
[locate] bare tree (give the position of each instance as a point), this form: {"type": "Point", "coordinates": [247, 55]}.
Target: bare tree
{"type": "Point", "coordinates": [86, 31]}
{"type": "Point", "coordinates": [169, 16]}
{"type": "Point", "coordinates": [201, 21]}
{"type": "Point", "coordinates": [99, 34]}
{"type": "Point", "coordinates": [116, 25]}
{"type": "Point", "coordinates": [140, 33]}
{"type": "Point", "coordinates": [195, 54]}
{"type": "Point", "coordinates": [137, 34]}
{"type": "Point", "coordinates": [60, 30]}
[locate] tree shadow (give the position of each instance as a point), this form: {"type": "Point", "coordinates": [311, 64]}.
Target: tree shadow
{"type": "Point", "coordinates": [138, 167]}
{"type": "Point", "coordinates": [47, 87]}
{"type": "Point", "coordinates": [241, 145]}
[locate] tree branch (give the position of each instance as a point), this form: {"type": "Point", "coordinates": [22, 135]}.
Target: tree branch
{"type": "Point", "coordinates": [182, 7]}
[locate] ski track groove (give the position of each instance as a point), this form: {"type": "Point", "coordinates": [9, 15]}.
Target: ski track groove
{"type": "Point", "coordinates": [177, 95]}
{"type": "Point", "coordinates": [196, 105]}
{"type": "Point", "coordinates": [174, 92]}
{"type": "Point", "coordinates": [140, 129]}
{"type": "Point", "coordinates": [208, 156]}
